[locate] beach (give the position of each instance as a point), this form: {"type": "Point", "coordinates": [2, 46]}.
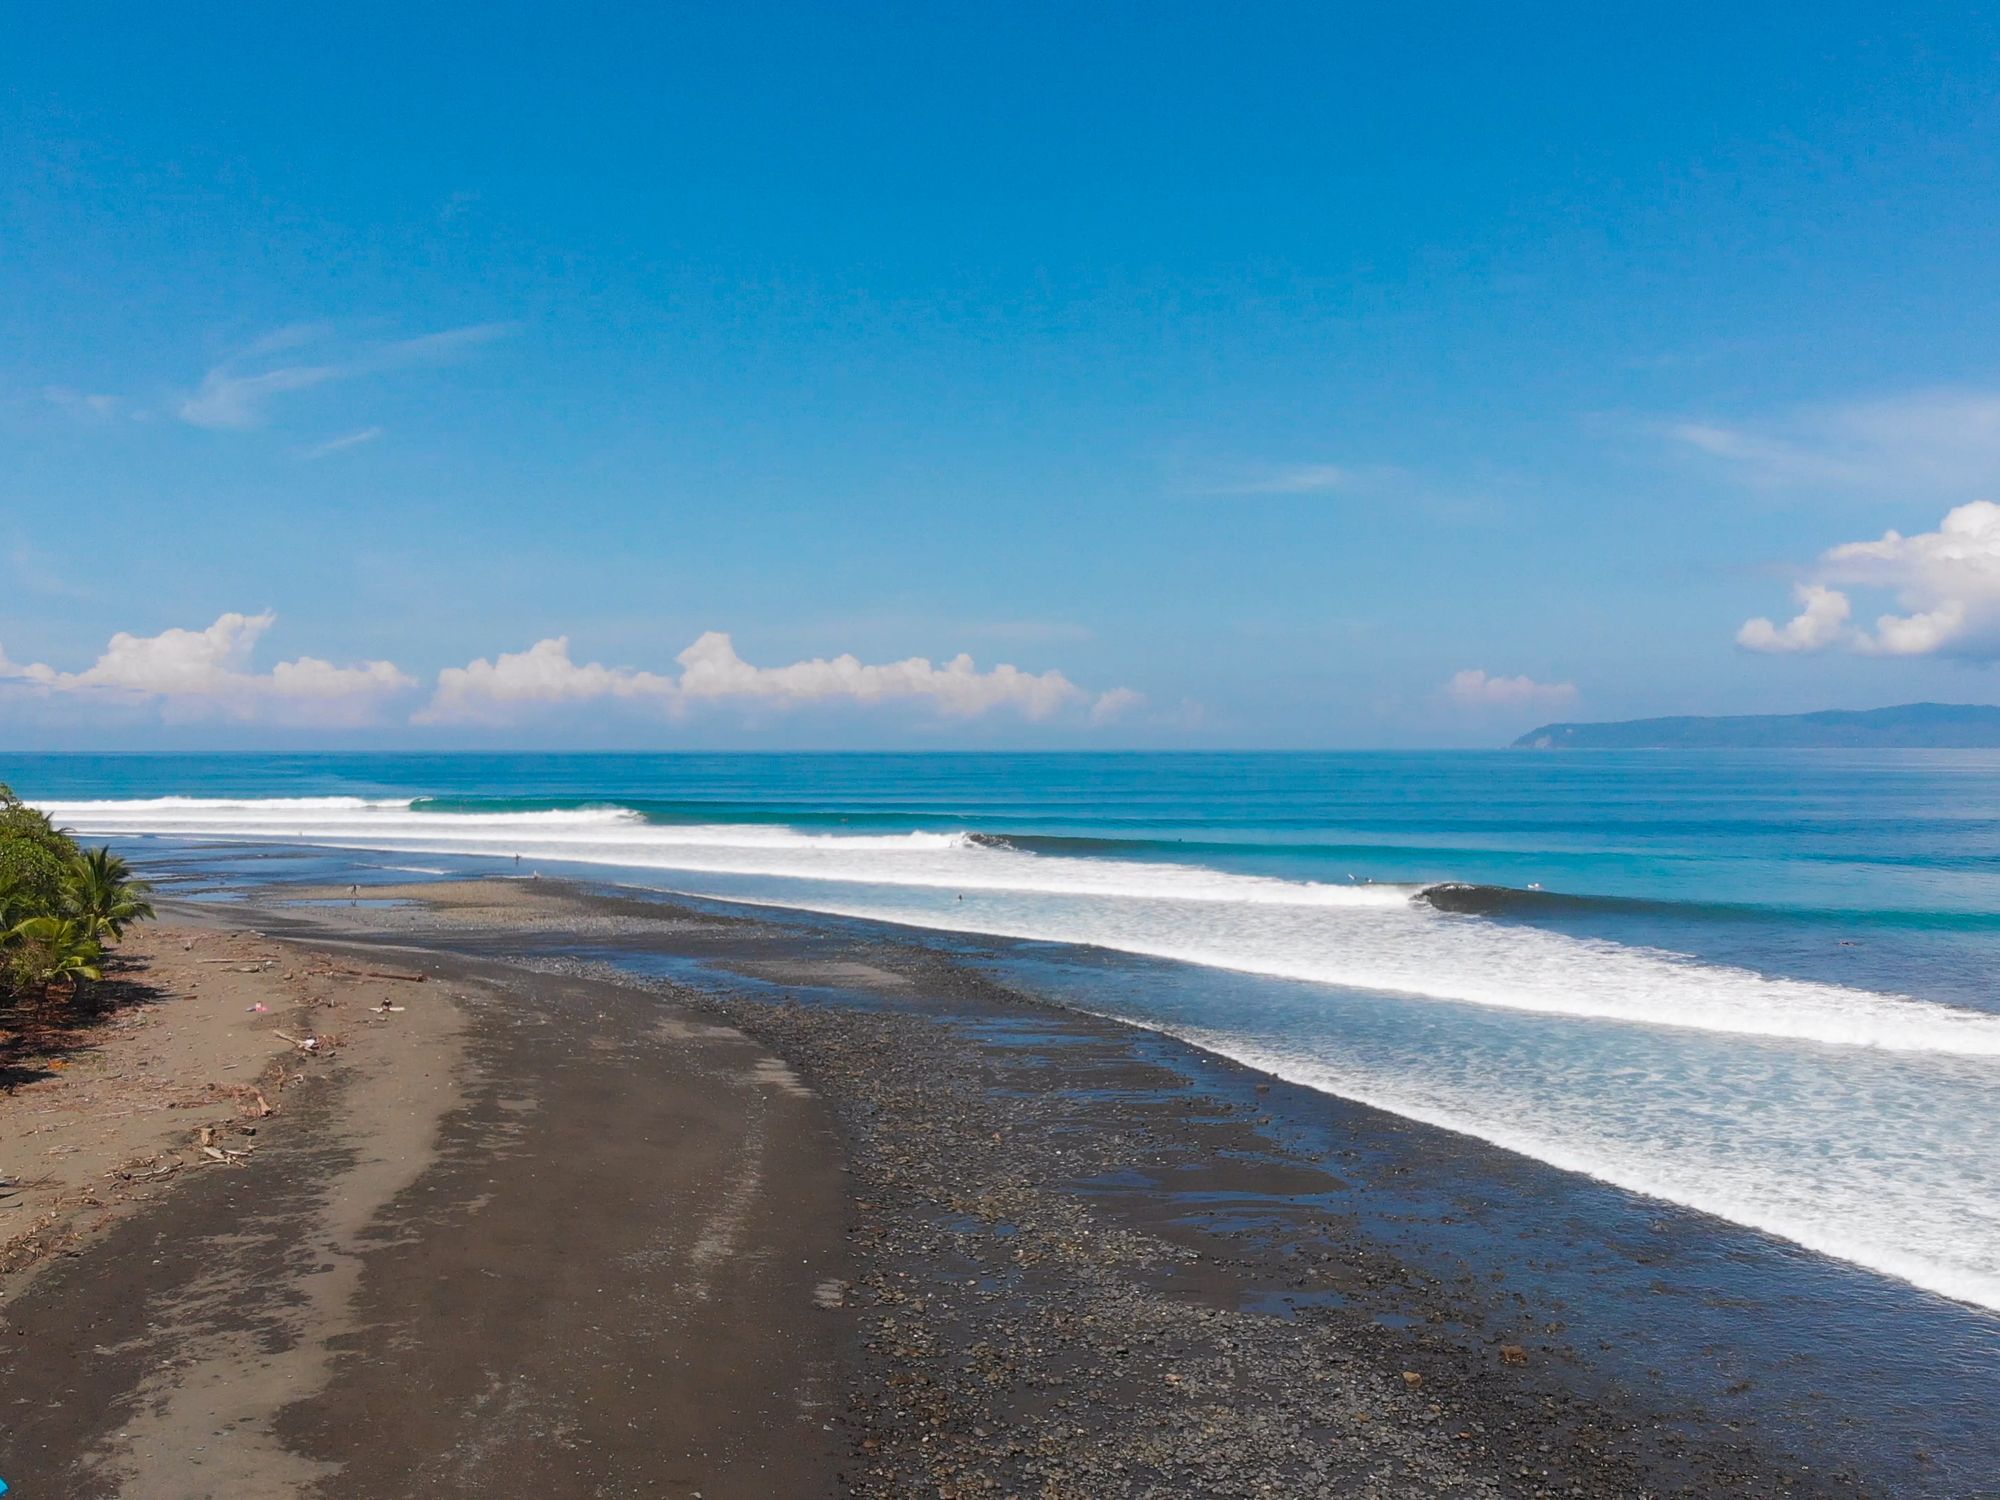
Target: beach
{"type": "Point", "coordinates": [632, 1195]}
{"type": "Point", "coordinates": [941, 753]}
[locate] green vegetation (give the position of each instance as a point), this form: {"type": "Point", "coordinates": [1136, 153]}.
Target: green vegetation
{"type": "Point", "coordinates": [61, 906]}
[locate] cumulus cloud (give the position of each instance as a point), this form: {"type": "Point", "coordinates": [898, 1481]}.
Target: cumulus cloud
{"type": "Point", "coordinates": [492, 691]}
{"type": "Point", "coordinates": [237, 393]}
{"type": "Point", "coordinates": [711, 670]}
{"type": "Point", "coordinates": [191, 674]}
{"type": "Point", "coordinates": [1934, 441]}
{"type": "Point", "coordinates": [197, 672]}
{"type": "Point", "coordinates": [1947, 583]}
{"type": "Point", "coordinates": [1473, 688]}
{"type": "Point", "coordinates": [1822, 617]}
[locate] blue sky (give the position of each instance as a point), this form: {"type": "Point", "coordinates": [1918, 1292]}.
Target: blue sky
{"type": "Point", "coordinates": [1243, 376]}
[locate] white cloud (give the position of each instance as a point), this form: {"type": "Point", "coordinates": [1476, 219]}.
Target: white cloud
{"type": "Point", "coordinates": [1286, 479]}
{"type": "Point", "coordinates": [1110, 707]}
{"type": "Point", "coordinates": [712, 671]}
{"type": "Point", "coordinates": [1473, 688]}
{"type": "Point", "coordinates": [1822, 616]}
{"type": "Point", "coordinates": [201, 672]}
{"type": "Point", "coordinates": [190, 674]}
{"type": "Point", "coordinates": [492, 691]}
{"type": "Point", "coordinates": [1947, 582]}
{"type": "Point", "coordinates": [237, 393]}
{"type": "Point", "coordinates": [226, 399]}
{"type": "Point", "coordinates": [340, 444]}
{"type": "Point", "coordinates": [710, 668]}
{"type": "Point", "coordinates": [1942, 441]}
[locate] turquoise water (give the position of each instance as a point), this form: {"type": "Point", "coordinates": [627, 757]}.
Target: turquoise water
{"type": "Point", "coordinates": [1756, 984]}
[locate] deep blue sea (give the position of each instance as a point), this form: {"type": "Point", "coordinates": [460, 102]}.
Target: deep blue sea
{"type": "Point", "coordinates": [1757, 984]}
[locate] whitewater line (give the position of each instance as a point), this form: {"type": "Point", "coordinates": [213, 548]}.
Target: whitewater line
{"type": "Point", "coordinates": [1364, 937]}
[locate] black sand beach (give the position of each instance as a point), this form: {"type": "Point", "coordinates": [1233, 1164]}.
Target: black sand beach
{"type": "Point", "coordinates": [734, 1205]}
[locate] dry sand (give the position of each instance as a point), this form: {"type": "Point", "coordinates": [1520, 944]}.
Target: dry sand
{"type": "Point", "coordinates": [181, 1055]}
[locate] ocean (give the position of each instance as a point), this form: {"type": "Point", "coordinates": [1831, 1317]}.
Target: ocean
{"type": "Point", "coordinates": [1757, 984]}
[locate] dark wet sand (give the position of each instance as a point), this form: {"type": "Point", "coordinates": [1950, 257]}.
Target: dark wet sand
{"type": "Point", "coordinates": [596, 1279]}
{"type": "Point", "coordinates": [844, 1217]}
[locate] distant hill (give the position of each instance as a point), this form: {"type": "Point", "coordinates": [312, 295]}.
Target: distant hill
{"type": "Point", "coordinates": [1919, 726]}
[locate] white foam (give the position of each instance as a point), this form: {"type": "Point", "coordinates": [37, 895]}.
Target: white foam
{"type": "Point", "coordinates": [1904, 1224]}
{"type": "Point", "coordinates": [1852, 1123]}
{"type": "Point", "coordinates": [1360, 936]}
{"type": "Point", "coordinates": [204, 807]}
{"type": "Point", "coordinates": [618, 836]}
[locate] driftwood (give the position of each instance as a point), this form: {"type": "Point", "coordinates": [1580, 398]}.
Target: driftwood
{"type": "Point", "coordinates": [167, 1171]}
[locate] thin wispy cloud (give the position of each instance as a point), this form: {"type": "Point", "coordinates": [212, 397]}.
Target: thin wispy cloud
{"type": "Point", "coordinates": [341, 444]}
{"type": "Point", "coordinates": [238, 393]}
{"type": "Point", "coordinates": [1273, 479]}
{"type": "Point", "coordinates": [226, 399]}
{"type": "Point", "coordinates": [1942, 441]}
{"type": "Point", "coordinates": [290, 336]}
{"type": "Point", "coordinates": [1291, 479]}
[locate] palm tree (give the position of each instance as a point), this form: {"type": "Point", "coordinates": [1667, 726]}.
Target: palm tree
{"type": "Point", "coordinates": [47, 952]}
{"type": "Point", "coordinates": [104, 896]}
{"type": "Point", "coordinates": [16, 904]}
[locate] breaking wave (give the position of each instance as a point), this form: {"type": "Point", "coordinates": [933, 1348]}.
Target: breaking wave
{"type": "Point", "coordinates": [1416, 941]}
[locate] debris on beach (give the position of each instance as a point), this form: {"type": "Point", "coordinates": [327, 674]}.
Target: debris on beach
{"type": "Point", "coordinates": [334, 973]}
{"type": "Point", "coordinates": [226, 1155]}
{"type": "Point", "coordinates": [159, 1169]}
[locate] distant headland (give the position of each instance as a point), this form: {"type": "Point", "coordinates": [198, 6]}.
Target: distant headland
{"type": "Point", "coordinates": [1912, 726]}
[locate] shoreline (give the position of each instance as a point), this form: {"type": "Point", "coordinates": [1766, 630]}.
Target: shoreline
{"type": "Point", "coordinates": [1081, 1258]}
